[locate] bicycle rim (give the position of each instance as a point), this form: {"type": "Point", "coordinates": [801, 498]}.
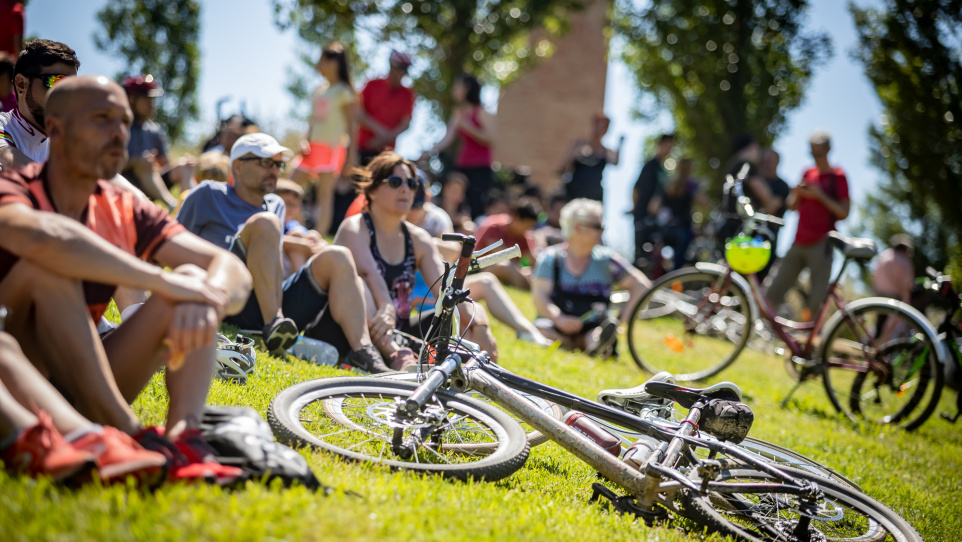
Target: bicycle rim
{"type": "Point", "coordinates": [691, 324]}
{"type": "Point", "coordinates": [881, 367]}
{"type": "Point", "coordinates": [355, 418]}
{"type": "Point", "coordinates": [839, 513]}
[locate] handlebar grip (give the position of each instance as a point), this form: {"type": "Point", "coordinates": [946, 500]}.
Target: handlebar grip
{"type": "Point", "coordinates": [498, 257]}
{"type": "Point", "coordinates": [458, 237]}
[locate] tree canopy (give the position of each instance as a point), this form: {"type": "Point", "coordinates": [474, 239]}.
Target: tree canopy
{"type": "Point", "coordinates": [487, 38]}
{"type": "Point", "coordinates": [912, 53]}
{"type": "Point", "coordinates": [159, 37]}
{"type": "Point", "coordinates": [721, 67]}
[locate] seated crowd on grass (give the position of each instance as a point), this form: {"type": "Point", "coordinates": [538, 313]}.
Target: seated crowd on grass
{"type": "Point", "coordinates": [82, 167]}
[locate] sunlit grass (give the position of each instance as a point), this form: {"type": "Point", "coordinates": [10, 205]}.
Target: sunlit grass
{"type": "Point", "coordinates": [916, 474]}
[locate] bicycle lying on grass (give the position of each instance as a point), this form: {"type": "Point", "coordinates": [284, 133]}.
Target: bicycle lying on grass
{"type": "Point", "coordinates": [427, 428]}
{"type": "Point", "coordinates": [879, 359]}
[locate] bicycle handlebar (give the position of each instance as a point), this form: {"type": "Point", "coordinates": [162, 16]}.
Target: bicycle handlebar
{"type": "Point", "coordinates": [492, 259]}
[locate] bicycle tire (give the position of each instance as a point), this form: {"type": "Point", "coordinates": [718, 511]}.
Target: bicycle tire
{"type": "Point", "coordinates": [843, 514]}
{"type": "Point", "coordinates": [534, 436]}
{"type": "Point", "coordinates": [367, 438]}
{"type": "Point", "coordinates": [686, 326]}
{"type": "Point", "coordinates": [906, 390]}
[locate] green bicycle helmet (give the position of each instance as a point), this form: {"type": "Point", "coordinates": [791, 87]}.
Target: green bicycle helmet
{"type": "Point", "coordinates": [747, 254]}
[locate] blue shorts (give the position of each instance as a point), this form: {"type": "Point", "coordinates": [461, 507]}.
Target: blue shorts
{"type": "Point", "coordinates": [303, 299]}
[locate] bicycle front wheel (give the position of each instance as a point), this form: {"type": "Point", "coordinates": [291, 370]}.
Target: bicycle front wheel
{"type": "Point", "coordinates": [356, 418]}
{"type": "Point", "coordinates": [881, 365]}
{"type": "Point", "coordinates": [692, 323]}
{"type": "Point", "coordinates": [746, 500]}
{"type": "Point", "coordinates": [534, 436]}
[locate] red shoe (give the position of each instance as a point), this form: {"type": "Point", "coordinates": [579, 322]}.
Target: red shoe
{"type": "Point", "coordinates": [41, 450]}
{"type": "Point", "coordinates": [119, 456]}
{"type": "Point", "coordinates": [189, 458]}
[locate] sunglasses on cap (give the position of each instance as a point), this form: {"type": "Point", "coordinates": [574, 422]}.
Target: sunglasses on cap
{"type": "Point", "coordinates": [395, 182]}
{"type": "Point", "coordinates": [48, 79]}
{"type": "Point", "coordinates": [266, 163]}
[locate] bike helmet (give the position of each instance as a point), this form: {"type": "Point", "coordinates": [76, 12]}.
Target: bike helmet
{"type": "Point", "coordinates": [235, 359]}
{"type": "Point", "coordinates": [748, 254]}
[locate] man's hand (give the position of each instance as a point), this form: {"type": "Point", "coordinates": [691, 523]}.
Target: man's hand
{"type": "Point", "coordinates": [193, 326]}
{"type": "Point", "coordinates": [381, 325]}
{"type": "Point", "coordinates": [188, 284]}
{"type": "Point", "coordinates": [806, 190]}
{"type": "Point", "coordinates": [568, 325]}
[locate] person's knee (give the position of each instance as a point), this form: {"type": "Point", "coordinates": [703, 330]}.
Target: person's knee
{"type": "Point", "coordinates": [260, 225]}
{"type": "Point", "coordinates": [334, 257]}
{"type": "Point", "coordinates": [9, 350]}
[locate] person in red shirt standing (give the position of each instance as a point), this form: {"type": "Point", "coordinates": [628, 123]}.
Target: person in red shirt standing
{"type": "Point", "coordinates": [821, 198]}
{"type": "Point", "coordinates": [386, 106]}
{"type": "Point", "coordinates": [514, 228]}
{"type": "Point", "coordinates": [11, 26]}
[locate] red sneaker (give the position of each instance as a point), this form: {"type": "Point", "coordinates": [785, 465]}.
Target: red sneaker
{"type": "Point", "coordinates": [41, 450]}
{"type": "Point", "coordinates": [190, 458]}
{"type": "Point", "coordinates": [119, 456]}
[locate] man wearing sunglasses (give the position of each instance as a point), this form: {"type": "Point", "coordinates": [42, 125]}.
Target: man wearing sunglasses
{"type": "Point", "coordinates": [247, 219]}
{"type": "Point", "coordinates": [41, 65]}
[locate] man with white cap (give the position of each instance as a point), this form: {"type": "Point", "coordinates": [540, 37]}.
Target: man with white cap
{"type": "Point", "coordinates": [248, 219]}
{"type": "Point", "coordinates": [386, 106]}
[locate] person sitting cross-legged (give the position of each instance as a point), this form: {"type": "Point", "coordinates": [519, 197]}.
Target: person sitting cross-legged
{"type": "Point", "coordinates": [70, 238]}
{"type": "Point", "coordinates": [389, 251]}
{"type": "Point", "coordinates": [572, 283]}
{"type": "Point", "coordinates": [325, 295]}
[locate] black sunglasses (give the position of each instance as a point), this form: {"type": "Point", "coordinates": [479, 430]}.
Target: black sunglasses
{"type": "Point", "coordinates": [395, 182]}
{"type": "Point", "coordinates": [598, 227]}
{"type": "Point", "coordinates": [266, 163]}
{"type": "Point", "coordinates": [48, 79]}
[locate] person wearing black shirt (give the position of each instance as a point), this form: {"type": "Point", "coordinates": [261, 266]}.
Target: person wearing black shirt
{"type": "Point", "coordinates": [651, 180]}
{"type": "Point", "coordinates": [584, 164]}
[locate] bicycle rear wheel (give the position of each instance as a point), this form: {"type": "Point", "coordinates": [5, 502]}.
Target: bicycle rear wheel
{"type": "Point", "coordinates": [692, 323]}
{"type": "Point", "coordinates": [746, 500]}
{"type": "Point", "coordinates": [355, 418]}
{"type": "Point", "coordinates": [881, 365]}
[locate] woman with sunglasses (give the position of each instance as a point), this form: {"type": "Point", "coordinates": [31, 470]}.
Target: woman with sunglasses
{"type": "Point", "coordinates": [329, 144]}
{"type": "Point", "coordinates": [388, 251]}
{"type": "Point", "coordinates": [572, 283]}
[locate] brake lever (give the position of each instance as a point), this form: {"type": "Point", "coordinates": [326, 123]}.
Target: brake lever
{"type": "Point", "coordinates": [487, 249]}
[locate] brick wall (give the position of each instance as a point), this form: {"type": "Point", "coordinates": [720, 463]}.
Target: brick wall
{"type": "Point", "coordinates": [547, 108]}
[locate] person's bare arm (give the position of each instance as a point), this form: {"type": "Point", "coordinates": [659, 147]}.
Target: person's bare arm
{"type": "Point", "coordinates": [350, 235]}
{"type": "Point", "coordinates": [654, 205]}
{"type": "Point", "coordinates": [11, 157]}
{"type": "Point", "coordinates": [68, 248]}
{"type": "Point", "coordinates": [569, 157]}
{"type": "Point", "coordinates": [350, 111]}
{"type": "Point", "coordinates": [485, 133]}
{"type": "Point", "coordinates": [541, 296]}
{"type": "Point", "coordinates": [637, 284]}
{"type": "Point", "coordinates": [225, 271]}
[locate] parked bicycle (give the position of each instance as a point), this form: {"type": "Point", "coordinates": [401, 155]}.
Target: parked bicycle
{"type": "Point", "coordinates": [879, 359]}
{"type": "Point", "coordinates": [949, 301]}
{"type": "Point", "coordinates": [673, 469]}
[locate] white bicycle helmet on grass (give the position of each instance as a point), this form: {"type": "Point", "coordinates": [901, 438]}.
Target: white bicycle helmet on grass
{"type": "Point", "coordinates": [235, 359]}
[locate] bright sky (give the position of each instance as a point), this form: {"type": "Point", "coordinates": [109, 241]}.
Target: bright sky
{"type": "Point", "coordinates": [246, 60]}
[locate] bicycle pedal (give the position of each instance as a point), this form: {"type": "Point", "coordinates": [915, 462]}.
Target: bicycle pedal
{"type": "Point", "coordinates": [626, 504]}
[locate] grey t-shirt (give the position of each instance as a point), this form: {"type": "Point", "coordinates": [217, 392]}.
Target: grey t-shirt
{"type": "Point", "coordinates": [214, 211]}
{"type": "Point", "coordinates": [147, 137]}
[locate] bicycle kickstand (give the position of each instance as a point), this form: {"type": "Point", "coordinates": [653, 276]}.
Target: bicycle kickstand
{"type": "Point", "coordinates": [784, 402]}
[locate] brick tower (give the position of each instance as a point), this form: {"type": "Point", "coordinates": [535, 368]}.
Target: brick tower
{"type": "Point", "coordinates": [547, 108]}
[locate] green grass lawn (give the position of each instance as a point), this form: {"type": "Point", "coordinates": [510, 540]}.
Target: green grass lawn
{"type": "Point", "coordinates": [919, 475]}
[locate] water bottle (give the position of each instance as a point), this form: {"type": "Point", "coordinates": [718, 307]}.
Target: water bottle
{"type": "Point", "coordinates": [315, 351]}
{"type": "Point", "coordinates": [593, 431]}
{"type": "Point", "coordinates": [640, 451]}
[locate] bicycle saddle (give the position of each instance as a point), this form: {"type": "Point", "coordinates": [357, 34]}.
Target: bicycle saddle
{"type": "Point", "coordinates": [687, 397]}
{"type": "Point", "coordinates": [636, 394]}
{"type": "Point", "coordinates": [856, 248]}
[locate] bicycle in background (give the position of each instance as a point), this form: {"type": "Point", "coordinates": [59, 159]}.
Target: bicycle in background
{"type": "Point", "coordinates": [879, 359]}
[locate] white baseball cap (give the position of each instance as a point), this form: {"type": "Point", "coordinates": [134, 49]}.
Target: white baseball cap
{"type": "Point", "coordinates": [258, 144]}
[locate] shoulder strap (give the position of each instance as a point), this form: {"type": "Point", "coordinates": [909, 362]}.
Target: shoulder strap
{"type": "Point", "coordinates": [370, 228]}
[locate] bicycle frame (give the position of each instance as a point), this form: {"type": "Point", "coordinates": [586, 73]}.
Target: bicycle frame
{"type": "Point", "coordinates": [464, 366]}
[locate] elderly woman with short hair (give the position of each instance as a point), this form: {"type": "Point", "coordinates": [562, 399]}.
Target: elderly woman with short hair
{"type": "Point", "coordinates": [572, 283]}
